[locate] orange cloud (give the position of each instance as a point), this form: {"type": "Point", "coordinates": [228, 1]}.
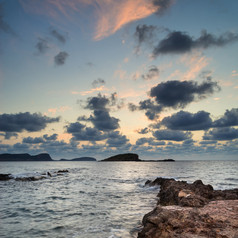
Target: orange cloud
{"type": "Point", "coordinates": [109, 15]}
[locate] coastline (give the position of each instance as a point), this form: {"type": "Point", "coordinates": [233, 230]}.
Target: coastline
{"type": "Point", "coordinates": [191, 210]}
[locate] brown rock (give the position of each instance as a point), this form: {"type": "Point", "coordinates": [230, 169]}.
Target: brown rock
{"type": "Point", "coordinates": [217, 219]}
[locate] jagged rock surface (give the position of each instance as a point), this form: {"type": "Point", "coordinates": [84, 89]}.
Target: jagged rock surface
{"type": "Point", "coordinates": [191, 211]}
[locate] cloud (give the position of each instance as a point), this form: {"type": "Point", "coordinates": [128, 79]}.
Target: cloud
{"type": "Point", "coordinates": [103, 121]}
{"type": "Point", "coordinates": [115, 139]}
{"type": "Point", "coordinates": [40, 140]}
{"type": "Point", "coordinates": [105, 14]}
{"type": "Point", "coordinates": [25, 121]}
{"type": "Point", "coordinates": [4, 26]}
{"type": "Point", "coordinates": [144, 33]}
{"type": "Point", "coordinates": [172, 135]}
{"type": "Point", "coordinates": [101, 102]}
{"type": "Point", "coordinates": [98, 82]}
{"type": "Point", "coordinates": [230, 118]}
{"type": "Point", "coordinates": [143, 131]}
{"type": "Point", "coordinates": [61, 57]}
{"type": "Point", "coordinates": [42, 45]}
{"type": "Point", "coordinates": [177, 94]}
{"type": "Point", "coordinates": [9, 135]}
{"type": "Point", "coordinates": [51, 137]}
{"type": "Point", "coordinates": [31, 140]}
{"type": "Point", "coordinates": [61, 38]}
{"type": "Point", "coordinates": [153, 73]}
{"type": "Point", "coordinates": [174, 94]}
{"type": "Point", "coordinates": [178, 42]}
{"type": "Point", "coordinates": [82, 133]}
{"type": "Point", "coordinates": [100, 118]}
{"type": "Point", "coordinates": [225, 133]}
{"type": "Point", "coordinates": [150, 141]}
{"type": "Point", "coordinates": [188, 121]}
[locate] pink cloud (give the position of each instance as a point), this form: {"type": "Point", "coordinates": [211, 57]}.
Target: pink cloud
{"type": "Point", "coordinates": [108, 15]}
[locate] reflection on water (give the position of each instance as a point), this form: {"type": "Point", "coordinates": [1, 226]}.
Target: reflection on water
{"type": "Point", "coordinates": [93, 199]}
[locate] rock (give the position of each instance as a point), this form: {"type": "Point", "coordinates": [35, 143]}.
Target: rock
{"type": "Point", "coordinates": [191, 211]}
{"type": "Point", "coordinates": [181, 193]}
{"type": "Point", "coordinates": [123, 157]}
{"type": "Point", "coordinates": [5, 176]}
{"type": "Point", "coordinates": [217, 219]}
{"type": "Point", "coordinates": [63, 171]}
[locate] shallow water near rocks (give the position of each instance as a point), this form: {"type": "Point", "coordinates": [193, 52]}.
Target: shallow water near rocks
{"type": "Point", "coordinates": [94, 199]}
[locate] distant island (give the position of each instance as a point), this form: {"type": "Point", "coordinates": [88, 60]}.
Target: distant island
{"type": "Point", "coordinates": [81, 159]}
{"type": "Point", "coordinates": [25, 157]}
{"type": "Point", "coordinates": [123, 157]}
{"type": "Point", "coordinates": [131, 157]}
{"type": "Point", "coordinates": [128, 157]}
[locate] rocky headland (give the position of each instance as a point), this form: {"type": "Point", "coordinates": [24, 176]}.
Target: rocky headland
{"type": "Point", "coordinates": [25, 157]}
{"type": "Point", "coordinates": [191, 211]}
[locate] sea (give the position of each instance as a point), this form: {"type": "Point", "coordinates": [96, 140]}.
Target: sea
{"type": "Point", "coordinates": [93, 199]}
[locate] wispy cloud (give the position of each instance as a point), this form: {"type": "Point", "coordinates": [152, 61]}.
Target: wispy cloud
{"type": "Point", "coordinates": [110, 15]}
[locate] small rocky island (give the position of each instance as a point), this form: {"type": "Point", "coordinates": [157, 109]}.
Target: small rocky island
{"type": "Point", "coordinates": [131, 157]}
{"type": "Point", "coordinates": [191, 210]}
{"type": "Point", "coordinates": [122, 157]}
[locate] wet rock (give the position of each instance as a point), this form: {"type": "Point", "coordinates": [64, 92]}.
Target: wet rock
{"type": "Point", "coordinates": [63, 171]}
{"type": "Point", "coordinates": [5, 176]}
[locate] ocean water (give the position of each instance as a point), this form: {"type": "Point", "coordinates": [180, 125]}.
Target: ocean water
{"type": "Point", "coordinates": [94, 199]}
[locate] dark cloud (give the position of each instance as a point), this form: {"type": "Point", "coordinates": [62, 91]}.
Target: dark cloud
{"type": "Point", "coordinates": [9, 135]}
{"type": "Point", "coordinates": [150, 141]}
{"type": "Point", "coordinates": [153, 73]}
{"type": "Point", "coordinates": [162, 5]}
{"type": "Point", "coordinates": [4, 26]}
{"type": "Point", "coordinates": [225, 133]}
{"type": "Point", "coordinates": [172, 135]}
{"type": "Point", "coordinates": [177, 94]}
{"type": "Point", "coordinates": [144, 33]}
{"type": "Point", "coordinates": [151, 108]}
{"type": "Point", "coordinates": [98, 82]}
{"type": "Point", "coordinates": [230, 118]}
{"type": "Point", "coordinates": [24, 121]}
{"type": "Point", "coordinates": [188, 121]}
{"type": "Point", "coordinates": [100, 102]}
{"type": "Point", "coordinates": [101, 106]}
{"type": "Point", "coordinates": [103, 121]}
{"type": "Point", "coordinates": [208, 142]}
{"type": "Point", "coordinates": [31, 140]}
{"type": "Point", "coordinates": [180, 42]}
{"type": "Point", "coordinates": [60, 37]}
{"type": "Point", "coordinates": [115, 139]}
{"type": "Point", "coordinates": [174, 94]}
{"type": "Point", "coordinates": [51, 137]}
{"type": "Point", "coordinates": [82, 133]}
{"type": "Point", "coordinates": [143, 131]}
{"type": "Point", "coordinates": [42, 45]}
{"type": "Point", "coordinates": [61, 58]}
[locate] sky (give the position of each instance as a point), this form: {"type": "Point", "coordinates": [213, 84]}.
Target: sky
{"type": "Point", "coordinates": [101, 77]}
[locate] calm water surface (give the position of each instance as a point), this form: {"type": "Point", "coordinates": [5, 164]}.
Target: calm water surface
{"type": "Point", "coordinates": [94, 199]}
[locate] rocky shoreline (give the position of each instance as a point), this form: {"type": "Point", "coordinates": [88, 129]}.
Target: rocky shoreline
{"type": "Point", "coordinates": [191, 211]}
